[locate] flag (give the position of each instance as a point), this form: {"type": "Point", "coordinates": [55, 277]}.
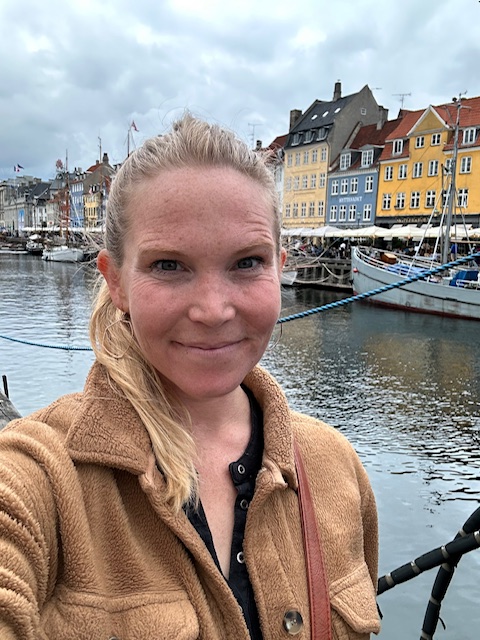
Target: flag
{"type": "Point", "coordinates": [17, 167]}
{"type": "Point", "coordinates": [133, 126]}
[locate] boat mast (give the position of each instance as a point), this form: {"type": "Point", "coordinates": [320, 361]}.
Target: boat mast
{"type": "Point", "coordinates": [451, 193]}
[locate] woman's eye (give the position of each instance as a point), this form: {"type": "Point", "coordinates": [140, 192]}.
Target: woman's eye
{"type": "Point", "coordinates": [166, 265]}
{"type": "Point", "coordinates": [248, 263]}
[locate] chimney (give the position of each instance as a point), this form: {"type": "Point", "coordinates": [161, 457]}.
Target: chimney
{"type": "Point", "coordinates": [258, 146]}
{"type": "Point", "coordinates": [383, 117]}
{"type": "Point", "coordinates": [337, 91]}
{"type": "Point", "coordinates": [105, 158]}
{"type": "Point", "coordinates": [295, 115]}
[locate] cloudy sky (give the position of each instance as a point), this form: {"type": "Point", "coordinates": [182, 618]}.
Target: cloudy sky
{"type": "Point", "coordinates": [76, 73]}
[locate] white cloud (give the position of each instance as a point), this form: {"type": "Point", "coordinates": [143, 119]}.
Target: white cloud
{"type": "Point", "coordinates": [72, 72]}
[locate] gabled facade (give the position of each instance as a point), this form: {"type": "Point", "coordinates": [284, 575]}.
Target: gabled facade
{"type": "Point", "coordinates": [275, 153]}
{"type": "Point", "coordinates": [353, 181]}
{"type": "Point", "coordinates": [416, 163]}
{"type": "Point", "coordinates": [96, 187]}
{"type": "Point", "coordinates": [314, 142]}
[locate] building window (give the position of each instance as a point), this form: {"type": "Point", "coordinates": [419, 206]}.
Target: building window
{"type": "Point", "coordinates": [367, 158]}
{"type": "Point", "coordinates": [308, 136]}
{"type": "Point", "coordinates": [311, 210]}
{"type": "Point", "coordinates": [305, 157]}
{"type": "Point", "coordinates": [400, 201]}
{"type": "Point", "coordinates": [352, 213]}
{"type": "Point", "coordinates": [466, 164]}
{"type": "Point", "coordinates": [323, 154]}
{"type": "Point", "coordinates": [295, 209]}
{"type": "Point", "coordinates": [313, 181]}
{"type": "Point", "coordinates": [289, 159]}
{"type": "Point", "coordinates": [322, 133]}
{"type": "Point", "coordinates": [367, 212]}
{"type": "Point", "coordinates": [345, 160]}
{"type": "Point", "coordinates": [368, 184]}
{"type": "Point", "coordinates": [333, 213]}
{"type": "Point", "coordinates": [334, 191]}
{"type": "Point", "coordinates": [469, 135]}
{"type": "Point", "coordinates": [462, 198]}
{"type": "Point", "coordinates": [433, 168]}
{"type": "Point", "coordinates": [402, 171]}
{"type": "Point", "coordinates": [344, 186]}
{"type": "Point", "coordinates": [419, 142]}
{"type": "Point", "coordinates": [397, 147]}
{"type": "Point", "coordinates": [315, 155]}
{"type": "Point", "coordinates": [417, 169]}
{"type": "Point", "coordinates": [448, 165]}
{"type": "Point", "coordinates": [321, 208]}
{"type": "Point", "coordinates": [386, 201]}
{"type": "Point", "coordinates": [388, 173]}
{"type": "Point", "coordinates": [304, 182]}
{"type": "Point", "coordinates": [288, 184]}
{"type": "Point", "coordinates": [342, 213]}
{"type": "Point", "coordinates": [430, 197]}
{"type": "Point", "coordinates": [436, 139]}
{"type": "Point", "coordinates": [287, 210]}
{"type": "Point", "coordinates": [322, 180]}
{"type": "Point", "coordinates": [297, 158]}
{"type": "Point", "coordinates": [304, 210]}
{"type": "Point", "coordinates": [296, 183]}
{"type": "Point", "coordinates": [415, 199]}
{"type": "Point", "coordinates": [296, 138]}
{"type": "Point", "coordinates": [354, 185]}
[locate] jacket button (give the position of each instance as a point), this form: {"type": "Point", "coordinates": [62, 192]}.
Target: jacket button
{"type": "Point", "coordinates": [293, 622]}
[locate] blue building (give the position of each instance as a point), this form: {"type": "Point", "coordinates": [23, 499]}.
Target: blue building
{"type": "Point", "coordinates": [353, 181]}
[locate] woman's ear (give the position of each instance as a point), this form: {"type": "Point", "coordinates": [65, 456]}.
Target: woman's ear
{"type": "Point", "coordinates": [112, 275]}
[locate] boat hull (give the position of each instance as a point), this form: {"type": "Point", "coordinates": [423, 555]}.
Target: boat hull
{"type": "Point", "coordinates": [420, 296]}
{"type": "Point", "coordinates": [63, 254]}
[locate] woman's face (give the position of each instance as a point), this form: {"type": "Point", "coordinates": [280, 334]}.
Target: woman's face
{"type": "Point", "coordinates": [200, 278]}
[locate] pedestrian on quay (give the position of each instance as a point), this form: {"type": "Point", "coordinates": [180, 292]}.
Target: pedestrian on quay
{"type": "Point", "coordinates": [169, 499]}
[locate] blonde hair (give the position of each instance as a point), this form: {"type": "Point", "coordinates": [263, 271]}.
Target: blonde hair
{"type": "Point", "coordinates": [191, 143]}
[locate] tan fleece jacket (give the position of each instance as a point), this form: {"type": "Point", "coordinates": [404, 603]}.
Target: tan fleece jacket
{"type": "Point", "coordinates": [90, 550]}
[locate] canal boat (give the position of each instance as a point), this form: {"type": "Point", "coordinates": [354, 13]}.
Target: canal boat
{"type": "Point", "coordinates": [455, 293]}
{"type": "Point", "coordinates": [63, 253]}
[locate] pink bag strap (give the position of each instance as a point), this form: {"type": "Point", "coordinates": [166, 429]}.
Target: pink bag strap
{"type": "Point", "coordinates": [319, 600]}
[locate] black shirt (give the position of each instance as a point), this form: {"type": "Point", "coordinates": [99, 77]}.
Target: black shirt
{"type": "Point", "coordinates": [244, 473]}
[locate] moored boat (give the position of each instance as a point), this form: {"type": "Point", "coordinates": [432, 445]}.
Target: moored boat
{"type": "Point", "coordinates": [455, 293]}
{"type": "Point", "coordinates": [63, 253]}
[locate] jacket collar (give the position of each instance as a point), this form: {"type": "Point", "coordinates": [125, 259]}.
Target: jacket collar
{"type": "Point", "coordinates": [107, 430]}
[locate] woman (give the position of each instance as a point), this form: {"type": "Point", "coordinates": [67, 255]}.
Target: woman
{"type": "Point", "coordinates": [162, 501]}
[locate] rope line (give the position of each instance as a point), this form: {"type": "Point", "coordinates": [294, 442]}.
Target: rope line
{"type": "Point", "coordinates": [301, 314]}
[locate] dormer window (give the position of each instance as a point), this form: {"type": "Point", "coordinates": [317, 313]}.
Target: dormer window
{"type": "Point", "coordinates": [469, 135]}
{"type": "Point", "coordinates": [322, 133]}
{"type": "Point", "coordinates": [296, 138]}
{"type": "Point", "coordinates": [308, 136]}
{"type": "Point", "coordinates": [397, 147]}
{"type": "Point", "coordinates": [345, 161]}
{"type": "Point", "coordinates": [367, 158]}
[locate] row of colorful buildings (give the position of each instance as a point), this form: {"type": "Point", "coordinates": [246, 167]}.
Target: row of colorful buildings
{"type": "Point", "coordinates": [73, 199]}
{"type": "Point", "coordinates": [343, 163]}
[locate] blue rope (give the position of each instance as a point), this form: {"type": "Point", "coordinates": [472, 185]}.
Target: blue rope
{"type": "Point", "coordinates": [301, 314]}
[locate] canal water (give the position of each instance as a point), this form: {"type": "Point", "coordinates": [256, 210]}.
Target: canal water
{"type": "Point", "coordinates": [404, 388]}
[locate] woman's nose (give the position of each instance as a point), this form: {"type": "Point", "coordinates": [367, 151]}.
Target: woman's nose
{"type": "Point", "coordinates": [211, 301]}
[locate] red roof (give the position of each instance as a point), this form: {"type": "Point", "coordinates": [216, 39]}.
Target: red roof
{"type": "Point", "coordinates": [371, 135]}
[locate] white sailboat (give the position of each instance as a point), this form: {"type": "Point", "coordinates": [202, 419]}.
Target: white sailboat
{"type": "Point", "coordinates": [454, 292]}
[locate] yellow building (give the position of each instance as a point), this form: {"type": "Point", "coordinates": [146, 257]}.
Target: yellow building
{"type": "Point", "coordinates": [315, 140]}
{"type": "Point", "coordinates": [416, 164]}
